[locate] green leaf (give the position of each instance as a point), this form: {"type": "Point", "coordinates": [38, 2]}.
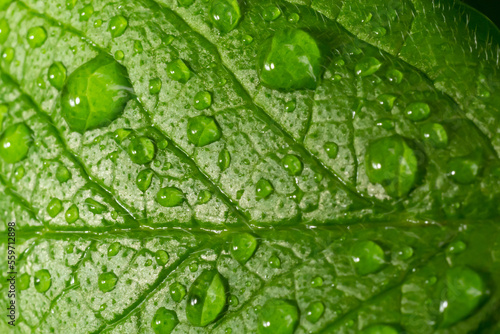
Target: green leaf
{"type": "Point", "coordinates": [262, 166]}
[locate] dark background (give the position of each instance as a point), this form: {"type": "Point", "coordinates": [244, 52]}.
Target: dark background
{"type": "Point", "coordinates": [490, 8]}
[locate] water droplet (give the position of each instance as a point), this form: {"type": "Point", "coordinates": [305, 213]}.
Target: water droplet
{"type": "Point", "coordinates": [465, 291]}
{"type": "Point", "coordinates": [290, 106]}
{"type": "Point", "coordinates": [95, 94]}
{"type": "Point", "coordinates": [185, 3]}
{"type": "Point", "coordinates": [290, 60]}
{"type": "Point", "coordinates": [114, 214]}
{"type": "Point", "coordinates": [4, 30]}
{"type": "Point", "coordinates": [271, 13]}
{"type": "Point", "coordinates": [193, 267]}
{"type": "Point", "coordinates": [19, 173]}
{"type": "Point", "coordinates": [385, 123]}
{"type": "Point", "coordinates": [314, 311]}
{"type": "Point", "coordinates": [404, 253]}
{"type": "Point", "coordinates": [386, 101]}
{"type": "Point", "coordinates": [119, 55]}
{"type": "Point", "coordinates": [434, 134]}
{"type": "Point", "coordinates": [138, 48]}
{"type": "Point", "coordinates": [392, 163]}
{"type": "Point", "coordinates": [380, 329]}
{"type": "Point", "coordinates": [206, 298]}
{"type": "Point", "coordinates": [107, 281]}
{"type": "Point", "coordinates": [243, 246]}
{"type": "Point", "coordinates": [417, 111]}
{"type": "Point", "coordinates": [464, 170]}
{"type": "Point", "coordinates": [114, 248]}
{"type": "Point", "coordinates": [164, 321]}
{"type": "Point", "coordinates": [154, 86]}
{"type": "Point", "coordinates": [225, 14]}
{"type": "Point", "coordinates": [170, 197]}
{"type": "Point", "coordinates": [394, 76]}
{"type": "Point", "coordinates": [97, 23]}
{"type": "Point", "coordinates": [42, 280]}
{"type": "Point", "coordinates": [278, 316]}
{"type": "Point", "coordinates": [95, 207]}
{"type": "Point", "coordinates": [331, 149]}
{"type": "Point", "coordinates": [204, 196]}
{"type": "Point", "coordinates": [317, 282]}
{"type": "Point", "coordinates": [141, 150]}
{"type": "Point", "coordinates": [72, 214]}
{"type": "Point", "coordinates": [62, 174]}
{"type": "Point", "coordinates": [202, 100]}
{"type": "Point", "coordinates": [103, 307]}
{"type": "Point", "coordinates": [203, 130]}
{"type": "Point", "coordinates": [275, 262]}
{"type": "Point", "coordinates": [117, 26]}
{"type": "Point", "coordinates": [86, 12]}
{"type": "Point", "coordinates": [264, 188]}
{"type": "Point", "coordinates": [161, 257]}
{"type": "Point", "coordinates": [8, 54]}
{"type": "Point", "coordinates": [292, 164]}
{"type": "Point", "coordinates": [367, 66]}
{"type": "Point", "coordinates": [177, 292]}
{"type": "Point", "coordinates": [57, 75]}
{"type": "Point", "coordinates": [23, 282]}
{"type": "Point", "coordinates": [15, 143]}
{"type": "Point", "coordinates": [367, 257]}
{"type": "Point", "coordinates": [293, 18]}
{"type": "Point", "coordinates": [177, 70]}
{"type": "Point", "coordinates": [224, 160]}
{"type": "Point", "coordinates": [456, 247]}
{"type": "Point", "coordinates": [144, 178]}
{"type": "Point", "coordinates": [54, 207]}
{"type": "Point", "coordinates": [233, 301]}
{"type": "Point", "coordinates": [148, 263]}
{"type": "Point", "coordinates": [247, 39]}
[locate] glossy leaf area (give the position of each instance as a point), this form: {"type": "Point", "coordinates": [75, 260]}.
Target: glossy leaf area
{"type": "Point", "coordinates": [192, 193]}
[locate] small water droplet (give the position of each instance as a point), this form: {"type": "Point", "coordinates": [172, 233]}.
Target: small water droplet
{"type": "Point", "coordinates": [161, 257]}
{"type": "Point", "coordinates": [247, 39]}
{"type": "Point", "coordinates": [97, 23]}
{"type": "Point", "coordinates": [367, 257]}
{"type": "Point", "coordinates": [141, 150]}
{"type": "Point", "coordinates": [278, 316]}
{"type": "Point", "coordinates": [72, 214]}
{"type": "Point", "coordinates": [264, 188]}
{"type": "Point", "coordinates": [119, 55]}
{"type": "Point", "coordinates": [43, 280]}
{"type": "Point", "coordinates": [331, 149]}
{"type": "Point", "coordinates": [292, 164]}
{"type": "Point", "coordinates": [456, 247]}
{"type": "Point", "coordinates": [19, 173]}
{"type": "Point", "coordinates": [57, 75]}
{"type": "Point", "coordinates": [293, 18]}
{"type": "Point", "coordinates": [62, 174]}
{"type": "Point", "coordinates": [204, 196]}
{"type": "Point", "coordinates": [386, 101]}
{"type": "Point", "coordinates": [290, 106]}
{"type": "Point", "coordinates": [243, 246]}
{"type": "Point", "coordinates": [233, 301]}
{"type": "Point", "coordinates": [202, 100]}
{"type": "Point", "coordinates": [434, 134]}
{"type": "Point", "coordinates": [86, 12]}
{"type": "Point", "coordinates": [465, 170]}
{"type": "Point", "coordinates": [117, 25]}
{"type": "Point", "coordinates": [164, 321]}
{"type": "Point", "coordinates": [206, 298]}
{"type": "Point", "coordinates": [23, 282]}
{"type": "Point", "coordinates": [154, 86]}
{"type": "Point", "coordinates": [275, 262]}
{"type": "Point", "coordinates": [367, 66]}
{"type": "Point", "coordinates": [225, 14]}
{"type": "Point", "coordinates": [4, 30]}
{"type": "Point", "coordinates": [224, 160]}
{"type": "Point", "coordinates": [54, 207]}
{"type": "Point", "coordinates": [177, 292]}
{"type": "Point", "coordinates": [271, 13]}
{"type": "Point", "coordinates": [15, 143]}
{"type": "Point", "coordinates": [8, 54]}
{"type": "Point", "coordinates": [113, 249]}
{"type": "Point", "coordinates": [394, 76]}
{"type": "Point", "coordinates": [170, 197]}
{"type": "Point", "coordinates": [144, 178]}
{"type": "Point", "coordinates": [417, 111]}
{"type": "Point", "coordinates": [317, 282]}
{"type": "Point", "coordinates": [203, 130]}
{"type": "Point", "coordinates": [314, 311]}
{"type": "Point", "coordinates": [177, 70]}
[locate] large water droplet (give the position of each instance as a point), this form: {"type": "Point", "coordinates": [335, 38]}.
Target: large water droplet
{"type": "Point", "coordinates": [292, 164]}
{"type": "Point", "coordinates": [263, 188]}
{"type": "Point", "coordinates": [367, 257]}
{"type": "Point", "coordinates": [86, 12]}
{"type": "Point", "coordinates": [177, 292]}
{"type": "Point", "coordinates": [164, 321]}
{"type": "Point", "coordinates": [225, 14]}
{"type": "Point", "coordinates": [274, 262]}
{"type": "Point", "coordinates": [161, 257]}
{"type": "Point", "coordinates": [141, 150]}
{"type": "Point", "coordinates": [271, 13]}
{"type": "Point", "coordinates": [4, 30]}
{"type": "Point", "coordinates": [117, 25]}
{"type": "Point", "coordinates": [465, 291]}
{"type": "Point", "coordinates": [42, 280]}
{"type": "Point", "coordinates": [15, 143]}
{"type": "Point", "coordinates": [314, 311]}
{"type": "Point", "coordinates": [57, 75]}
{"type": "Point", "coordinates": [177, 70]}
{"type": "Point", "coordinates": [203, 130]}
{"type": "Point", "coordinates": [170, 197]}
{"type": "Point", "coordinates": [95, 94]}
{"type": "Point", "coordinates": [464, 170]}
{"type": "Point", "coordinates": [144, 179]}
{"type": "Point", "coordinates": [243, 246]}
{"type": "Point", "coordinates": [54, 207]}
{"type": "Point", "coordinates": [206, 298]}
{"type": "Point", "coordinates": [435, 135]}
{"type": "Point", "coordinates": [202, 100]}
{"type": "Point", "coordinates": [290, 60]}
{"type": "Point", "coordinates": [392, 163]}
{"type": "Point", "coordinates": [8, 54]}
{"type": "Point", "coordinates": [278, 316]}
{"type": "Point", "coordinates": [72, 214]}
{"type": "Point", "coordinates": [417, 111]}
{"type": "Point", "coordinates": [107, 281]}
{"type": "Point", "coordinates": [367, 66]}
{"type": "Point", "coordinates": [37, 36]}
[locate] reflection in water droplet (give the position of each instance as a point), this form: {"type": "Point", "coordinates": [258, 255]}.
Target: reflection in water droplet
{"type": "Point", "coordinates": [247, 39]}
{"type": "Point", "coordinates": [86, 12]}
{"type": "Point", "coordinates": [19, 173]}
{"type": "Point", "coordinates": [154, 86]}
{"type": "Point", "coordinates": [204, 196]}
{"type": "Point", "coordinates": [141, 150]}
{"type": "Point", "coordinates": [317, 282]}
{"type": "Point", "coordinates": [293, 18]}
{"type": "Point", "coordinates": [278, 316]}
{"type": "Point", "coordinates": [161, 257]}
{"type": "Point", "coordinates": [72, 214]}
{"type": "Point", "coordinates": [113, 249]}
{"type": "Point", "coordinates": [224, 160]}
{"type": "Point", "coordinates": [144, 179]}
{"type": "Point", "coordinates": [275, 262]}
{"type": "Point", "coordinates": [331, 149]}
{"type": "Point", "coordinates": [290, 106]}
{"type": "Point", "coordinates": [292, 164]}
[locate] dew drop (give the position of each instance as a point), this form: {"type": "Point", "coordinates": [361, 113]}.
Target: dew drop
{"type": "Point", "coordinates": [164, 321]}
{"type": "Point", "coordinates": [292, 164]}
{"type": "Point", "coordinates": [177, 70]}
{"type": "Point", "coordinates": [456, 247]}
{"type": "Point", "coordinates": [225, 14]}
{"type": "Point", "coordinates": [224, 160]}
{"type": "Point", "coordinates": [271, 13]}
{"type": "Point", "coordinates": [314, 311]}
{"type": "Point", "coordinates": [15, 143]}
{"type": "Point", "coordinates": [404, 253]}
{"type": "Point", "coordinates": [367, 257]}
{"type": "Point", "coordinates": [4, 30]}
{"type": "Point", "coordinates": [317, 282]}
{"type": "Point", "coordinates": [154, 86]}
{"type": "Point", "coordinates": [290, 106]}
{"type": "Point", "coordinates": [19, 173]}
{"type": "Point", "coordinates": [161, 257]}
{"type": "Point", "coordinates": [293, 18]}
{"type": "Point", "coordinates": [57, 75]}
{"type": "Point", "coordinates": [170, 197]}
{"type": "Point", "coordinates": [275, 262]}
{"type": "Point", "coordinates": [119, 55]}
{"type": "Point", "coordinates": [243, 246]}
{"type": "Point", "coordinates": [177, 292]}
{"type": "Point", "coordinates": [185, 3]}
{"type": "Point", "coordinates": [42, 280]}
{"type": "Point", "coordinates": [203, 130]}
{"type": "Point", "coordinates": [117, 25]}
{"type": "Point", "coordinates": [86, 12]}
{"type": "Point", "coordinates": [62, 174]}
{"type": "Point", "coordinates": [23, 282]}
{"type": "Point", "coordinates": [193, 267]}
{"type": "Point", "coordinates": [434, 134]}
{"type": "Point", "coordinates": [417, 111]}
{"type": "Point", "coordinates": [144, 178]}
{"type": "Point", "coordinates": [202, 100]}
{"type": "Point", "coordinates": [114, 248]}
{"type": "Point", "coordinates": [95, 207]}
{"type": "Point", "coordinates": [107, 281]}
{"type": "Point", "coordinates": [264, 188]}
{"type": "Point", "coordinates": [141, 150]}
{"type": "Point", "coordinates": [331, 149]}
{"type": "Point", "coordinates": [233, 301]}
{"type": "Point", "coordinates": [278, 316]}
{"type": "Point", "coordinates": [367, 66]}
{"type": "Point", "coordinates": [386, 101]}
{"type": "Point", "coordinates": [394, 76]}
{"type": "Point", "coordinates": [8, 54]}
{"type": "Point", "coordinates": [204, 197]}
{"type": "Point", "coordinates": [72, 214]}
{"type": "Point", "coordinates": [54, 207]}
{"type": "Point", "coordinates": [465, 170]}
{"type": "Point", "coordinates": [247, 39]}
